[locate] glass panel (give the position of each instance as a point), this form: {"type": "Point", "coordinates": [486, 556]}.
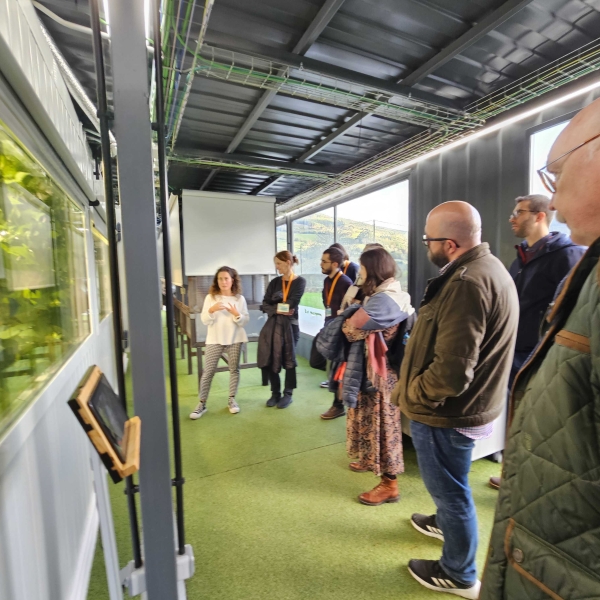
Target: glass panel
{"type": "Point", "coordinates": [44, 307]}
{"type": "Point", "coordinates": [102, 274]}
{"type": "Point", "coordinates": [282, 237]}
{"type": "Point", "coordinates": [311, 236]}
{"type": "Point", "coordinates": [382, 217]}
{"type": "Point", "coordinates": [541, 142]}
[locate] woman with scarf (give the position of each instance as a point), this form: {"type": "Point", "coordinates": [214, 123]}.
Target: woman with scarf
{"type": "Point", "coordinates": [363, 341]}
{"type": "Point", "coordinates": [280, 334]}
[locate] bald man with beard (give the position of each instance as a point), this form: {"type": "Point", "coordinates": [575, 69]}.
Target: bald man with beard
{"type": "Point", "coordinates": [546, 536]}
{"type": "Point", "coordinates": [453, 384]}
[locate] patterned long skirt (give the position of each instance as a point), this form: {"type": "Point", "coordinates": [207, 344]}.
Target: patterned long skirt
{"type": "Point", "coordinates": [374, 435]}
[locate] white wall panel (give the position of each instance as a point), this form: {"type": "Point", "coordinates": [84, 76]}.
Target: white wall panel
{"type": "Point", "coordinates": [228, 229]}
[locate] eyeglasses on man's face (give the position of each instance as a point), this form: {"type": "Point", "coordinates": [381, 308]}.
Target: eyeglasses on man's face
{"type": "Point", "coordinates": [515, 214]}
{"type": "Point", "coordinates": [426, 241]}
{"type": "Point", "coordinates": [548, 178]}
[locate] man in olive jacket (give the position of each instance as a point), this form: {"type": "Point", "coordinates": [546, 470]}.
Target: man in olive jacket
{"type": "Point", "coordinates": [453, 384]}
{"type": "Point", "coordinates": [546, 535]}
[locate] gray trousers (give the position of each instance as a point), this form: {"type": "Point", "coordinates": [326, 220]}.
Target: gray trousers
{"type": "Point", "coordinates": [212, 354]}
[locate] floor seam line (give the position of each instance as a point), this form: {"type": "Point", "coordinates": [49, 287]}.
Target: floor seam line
{"type": "Point", "coordinates": [263, 462]}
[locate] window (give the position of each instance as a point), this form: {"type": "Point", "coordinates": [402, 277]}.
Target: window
{"type": "Point", "coordinates": [102, 274]}
{"type": "Point", "coordinates": [44, 306]}
{"type": "Point", "coordinates": [282, 235]}
{"type": "Point", "coordinates": [382, 217]}
{"type": "Point", "coordinates": [311, 236]}
{"type": "Point", "coordinates": [540, 145]}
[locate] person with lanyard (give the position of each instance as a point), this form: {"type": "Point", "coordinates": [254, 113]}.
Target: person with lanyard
{"type": "Point", "coordinates": [280, 334]}
{"type": "Point", "coordinates": [349, 268]}
{"type": "Point", "coordinates": [335, 287]}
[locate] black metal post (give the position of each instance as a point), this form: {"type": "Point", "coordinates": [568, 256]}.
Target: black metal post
{"type": "Point", "coordinates": [113, 262]}
{"type": "Point", "coordinates": [164, 210]}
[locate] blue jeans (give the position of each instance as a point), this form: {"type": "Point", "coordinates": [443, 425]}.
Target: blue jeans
{"type": "Point", "coordinates": [444, 457]}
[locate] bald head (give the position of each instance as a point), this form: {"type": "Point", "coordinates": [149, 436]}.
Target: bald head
{"type": "Point", "coordinates": [577, 196]}
{"type": "Point", "coordinates": [456, 220]}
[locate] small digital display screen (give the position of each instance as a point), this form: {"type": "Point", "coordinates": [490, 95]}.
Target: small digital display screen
{"type": "Point", "coordinates": [111, 415]}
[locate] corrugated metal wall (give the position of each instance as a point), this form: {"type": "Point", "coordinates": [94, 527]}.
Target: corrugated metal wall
{"type": "Point", "coordinates": [490, 173]}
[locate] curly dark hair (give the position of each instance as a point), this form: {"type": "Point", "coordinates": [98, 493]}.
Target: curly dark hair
{"type": "Point", "coordinates": [236, 287]}
{"type": "Point", "coordinates": [380, 265]}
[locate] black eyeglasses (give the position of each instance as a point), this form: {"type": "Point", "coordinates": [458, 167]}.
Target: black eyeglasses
{"type": "Point", "coordinates": [426, 241]}
{"type": "Point", "coordinates": [549, 179]}
{"type": "Point", "coordinates": [516, 213]}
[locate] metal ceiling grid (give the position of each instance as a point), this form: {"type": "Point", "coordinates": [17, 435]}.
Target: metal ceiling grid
{"type": "Point", "coordinates": [457, 52]}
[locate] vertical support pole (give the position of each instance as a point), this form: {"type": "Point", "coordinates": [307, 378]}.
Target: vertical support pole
{"type": "Point", "coordinates": [107, 529]}
{"type": "Point", "coordinates": [133, 134]}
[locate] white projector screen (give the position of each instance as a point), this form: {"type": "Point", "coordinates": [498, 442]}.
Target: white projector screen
{"type": "Point", "coordinates": [175, 244]}
{"type": "Point", "coordinates": [228, 229]}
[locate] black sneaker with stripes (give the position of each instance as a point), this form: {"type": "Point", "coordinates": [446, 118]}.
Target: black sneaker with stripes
{"type": "Point", "coordinates": [430, 574]}
{"type": "Point", "coordinates": [427, 526]}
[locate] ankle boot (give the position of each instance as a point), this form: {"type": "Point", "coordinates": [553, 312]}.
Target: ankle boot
{"type": "Point", "coordinates": [386, 491]}
{"type": "Point", "coordinates": [274, 399]}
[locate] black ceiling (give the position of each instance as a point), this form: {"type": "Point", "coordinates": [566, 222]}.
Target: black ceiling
{"type": "Point", "coordinates": [453, 52]}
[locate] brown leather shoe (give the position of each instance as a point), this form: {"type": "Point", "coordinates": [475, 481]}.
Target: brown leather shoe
{"type": "Point", "coordinates": [386, 491]}
{"type": "Point", "coordinates": [357, 467]}
{"type": "Point", "coordinates": [495, 482]}
{"type": "Point", "coordinates": [333, 413]}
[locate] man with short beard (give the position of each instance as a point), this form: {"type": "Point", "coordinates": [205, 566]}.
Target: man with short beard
{"type": "Point", "coordinates": [545, 540]}
{"type": "Point", "coordinates": [543, 260]}
{"type": "Point", "coordinates": [453, 383]}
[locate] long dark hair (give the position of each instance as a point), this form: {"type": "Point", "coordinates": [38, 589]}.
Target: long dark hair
{"type": "Point", "coordinates": [380, 266]}
{"type": "Point", "coordinates": [236, 286]}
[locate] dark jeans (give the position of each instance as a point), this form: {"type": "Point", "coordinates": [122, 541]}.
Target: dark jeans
{"type": "Point", "coordinates": [444, 457]}
{"type": "Point", "coordinates": [290, 374]}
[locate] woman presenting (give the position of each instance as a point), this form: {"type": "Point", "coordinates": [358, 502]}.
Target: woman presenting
{"type": "Point", "coordinates": [225, 313]}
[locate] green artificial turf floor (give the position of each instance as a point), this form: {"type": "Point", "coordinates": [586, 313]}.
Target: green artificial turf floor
{"type": "Point", "coordinates": [271, 508]}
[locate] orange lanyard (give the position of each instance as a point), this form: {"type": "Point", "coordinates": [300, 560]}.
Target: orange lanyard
{"type": "Point", "coordinates": [285, 290]}
{"type": "Point", "coordinates": [347, 263]}
{"type": "Point", "coordinates": [330, 295]}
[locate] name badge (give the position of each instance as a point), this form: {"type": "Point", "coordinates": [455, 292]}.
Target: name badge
{"type": "Point", "coordinates": [282, 307]}
{"type": "Point", "coordinates": [328, 312]}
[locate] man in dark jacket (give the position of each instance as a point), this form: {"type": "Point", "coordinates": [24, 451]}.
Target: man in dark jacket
{"type": "Point", "coordinates": [543, 260]}
{"type": "Point", "coordinates": [453, 383]}
{"type": "Point", "coordinates": [545, 540]}
{"type": "Point", "coordinates": [335, 286]}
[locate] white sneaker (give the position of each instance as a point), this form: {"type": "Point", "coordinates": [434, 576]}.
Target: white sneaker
{"type": "Point", "coordinates": [198, 411]}
{"type": "Point", "coordinates": [234, 409]}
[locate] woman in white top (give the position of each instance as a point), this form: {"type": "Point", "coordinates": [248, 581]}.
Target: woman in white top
{"type": "Point", "coordinates": [225, 312]}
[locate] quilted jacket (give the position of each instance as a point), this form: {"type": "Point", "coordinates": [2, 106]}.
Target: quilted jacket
{"type": "Point", "coordinates": [546, 535]}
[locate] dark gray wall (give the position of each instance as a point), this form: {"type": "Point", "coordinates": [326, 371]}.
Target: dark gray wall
{"type": "Point", "coordinates": [490, 173]}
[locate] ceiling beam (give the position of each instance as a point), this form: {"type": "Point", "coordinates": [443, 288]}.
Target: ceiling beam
{"type": "Point", "coordinates": [314, 30]}
{"type": "Point", "coordinates": [493, 20]}
{"type": "Point", "coordinates": [319, 67]}
{"type": "Point", "coordinates": [338, 132]}
{"type": "Point", "coordinates": [248, 160]}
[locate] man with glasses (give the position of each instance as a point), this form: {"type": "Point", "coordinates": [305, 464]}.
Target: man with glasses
{"type": "Point", "coordinates": [543, 260]}
{"type": "Point", "coordinates": [453, 383]}
{"type": "Point", "coordinates": [545, 540]}
{"type": "Point", "coordinates": [334, 289]}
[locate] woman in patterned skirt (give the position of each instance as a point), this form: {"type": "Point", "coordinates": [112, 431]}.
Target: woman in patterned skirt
{"type": "Point", "coordinates": [374, 435]}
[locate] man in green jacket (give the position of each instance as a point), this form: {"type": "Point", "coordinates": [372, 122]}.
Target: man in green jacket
{"type": "Point", "coordinates": [546, 536]}
{"type": "Point", "coordinates": [453, 384]}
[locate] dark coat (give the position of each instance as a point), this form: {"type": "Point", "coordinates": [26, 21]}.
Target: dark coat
{"type": "Point", "coordinates": [458, 358]}
{"type": "Point", "coordinates": [545, 541]}
{"type": "Point", "coordinates": [276, 346]}
{"type": "Point", "coordinates": [537, 276]}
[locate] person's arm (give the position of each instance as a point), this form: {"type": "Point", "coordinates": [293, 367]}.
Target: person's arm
{"type": "Point", "coordinates": [243, 316]}
{"type": "Point", "coordinates": [268, 305]}
{"type": "Point", "coordinates": [564, 262]}
{"type": "Point", "coordinates": [296, 292]}
{"type": "Point", "coordinates": [461, 329]}
{"type": "Point", "coordinates": [205, 316]}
